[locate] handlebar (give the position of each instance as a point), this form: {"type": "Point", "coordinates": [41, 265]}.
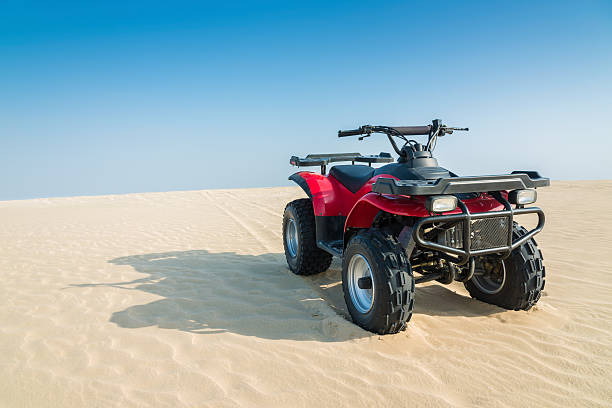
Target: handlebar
{"type": "Point", "coordinates": [433, 131]}
{"type": "Point", "coordinates": [404, 130]}
{"type": "Point", "coordinates": [413, 130]}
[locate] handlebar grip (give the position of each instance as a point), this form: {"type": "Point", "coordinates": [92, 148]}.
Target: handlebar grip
{"type": "Point", "coordinates": [354, 132]}
{"type": "Point", "coordinates": [413, 130]}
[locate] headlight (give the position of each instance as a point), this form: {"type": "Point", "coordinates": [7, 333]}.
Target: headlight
{"type": "Point", "coordinates": [523, 197]}
{"type": "Point", "coordinates": [441, 203]}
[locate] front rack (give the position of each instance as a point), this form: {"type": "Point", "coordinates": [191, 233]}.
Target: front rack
{"type": "Point", "coordinates": [461, 256]}
{"type": "Point", "coordinates": [456, 185]}
{"type": "Point", "coordinates": [324, 159]}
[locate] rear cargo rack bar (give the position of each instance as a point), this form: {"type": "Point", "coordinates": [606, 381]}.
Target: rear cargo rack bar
{"type": "Point", "coordinates": [455, 185]}
{"type": "Point", "coordinates": [324, 159]}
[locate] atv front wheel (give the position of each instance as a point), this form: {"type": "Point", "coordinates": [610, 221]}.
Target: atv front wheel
{"type": "Point", "coordinates": [377, 282]}
{"type": "Point", "coordinates": [514, 283]}
{"type": "Point", "coordinates": [299, 238]}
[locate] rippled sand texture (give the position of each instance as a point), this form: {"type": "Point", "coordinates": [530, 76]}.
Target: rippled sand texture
{"type": "Point", "coordinates": [184, 299]}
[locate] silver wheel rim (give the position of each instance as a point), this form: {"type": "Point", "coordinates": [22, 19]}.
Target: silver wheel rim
{"type": "Point", "coordinates": [487, 282]}
{"type": "Point", "coordinates": [291, 238]}
{"type": "Point", "coordinates": [362, 299]}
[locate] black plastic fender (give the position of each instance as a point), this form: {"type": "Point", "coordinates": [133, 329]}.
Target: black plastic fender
{"type": "Point", "coordinates": [299, 180]}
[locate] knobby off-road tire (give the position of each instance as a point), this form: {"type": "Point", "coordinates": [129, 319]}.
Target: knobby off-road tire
{"type": "Point", "coordinates": [524, 277]}
{"type": "Point", "coordinates": [303, 255]}
{"type": "Point", "coordinates": [392, 282]}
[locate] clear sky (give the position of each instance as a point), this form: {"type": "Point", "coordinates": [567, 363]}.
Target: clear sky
{"type": "Point", "coordinates": [154, 96]}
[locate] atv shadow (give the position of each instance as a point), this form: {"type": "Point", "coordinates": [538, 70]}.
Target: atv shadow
{"type": "Point", "coordinates": [255, 295]}
{"type": "Point", "coordinates": [441, 300]}
{"type": "Point", "coordinates": [207, 293]}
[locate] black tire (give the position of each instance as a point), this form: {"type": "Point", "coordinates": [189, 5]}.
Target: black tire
{"type": "Point", "coordinates": [307, 258]}
{"type": "Point", "coordinates": [524, 277]}
{"type": "Point", "coordinates": [393, 282]}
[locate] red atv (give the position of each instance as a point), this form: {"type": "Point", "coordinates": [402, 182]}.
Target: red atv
{"type": "Point", "coordinates": [413, 216]}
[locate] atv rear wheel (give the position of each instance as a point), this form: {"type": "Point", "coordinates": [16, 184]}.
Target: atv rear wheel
{"type": "Point", "coordinates": [377, 282]}
{"type": "Point", "coordinates": [299, 239]}
{"type": "Point", "coordinates": [514, 283]}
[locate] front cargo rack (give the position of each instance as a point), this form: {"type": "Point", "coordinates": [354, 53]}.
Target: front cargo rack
{"type": "Point", "coordinates": [324, 159]}
{"type": "Point", "coordinates": [475, 235]}
{"type": "Point", "coordinates": [456, 185]}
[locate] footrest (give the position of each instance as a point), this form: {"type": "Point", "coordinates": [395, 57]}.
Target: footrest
{"type": "Point", "coordinates": [332, 247]}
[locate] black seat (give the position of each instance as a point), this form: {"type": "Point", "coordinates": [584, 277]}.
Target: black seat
{"type": "Point", "coordinates": [353, 177]}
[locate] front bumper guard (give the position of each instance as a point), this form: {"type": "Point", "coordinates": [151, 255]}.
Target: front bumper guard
{"type": "Point", "coordinates": [461, 256]}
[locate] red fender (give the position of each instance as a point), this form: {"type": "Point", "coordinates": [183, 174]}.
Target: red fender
{"type": "Point", "coordinates": [363, 213]}
{"type": "Point", "coordinates": [321, 190]}
{"type": "Point", "coordinates": [329, 196]}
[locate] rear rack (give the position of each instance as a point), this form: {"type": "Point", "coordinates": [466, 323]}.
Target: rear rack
{"type": "Point", "coordinates": [324, 159]}
{"type": "Point", "coordinates": [456, 185]}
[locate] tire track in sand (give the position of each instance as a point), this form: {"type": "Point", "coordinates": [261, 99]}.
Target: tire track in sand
{"type": "Point", "coordinates": [254, 205]}
{"type": "Point", "coordinates": [239, 222]}
{"type": "Point", "coordinates": [253, 212]}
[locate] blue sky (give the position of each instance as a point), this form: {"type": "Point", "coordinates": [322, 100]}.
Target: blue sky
{"type": "Point", "coordinates": [130, 97]}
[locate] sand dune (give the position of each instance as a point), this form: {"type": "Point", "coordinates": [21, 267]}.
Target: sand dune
{"type": "Point", "coordinates": [184, 299]}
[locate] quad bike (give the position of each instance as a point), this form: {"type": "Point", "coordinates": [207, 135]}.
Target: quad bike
{"type": "Point", "coordinates": [412, 216]}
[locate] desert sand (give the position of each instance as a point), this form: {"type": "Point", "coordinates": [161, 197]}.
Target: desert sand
{"type": "Point", "coordinates": [183, 299]}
